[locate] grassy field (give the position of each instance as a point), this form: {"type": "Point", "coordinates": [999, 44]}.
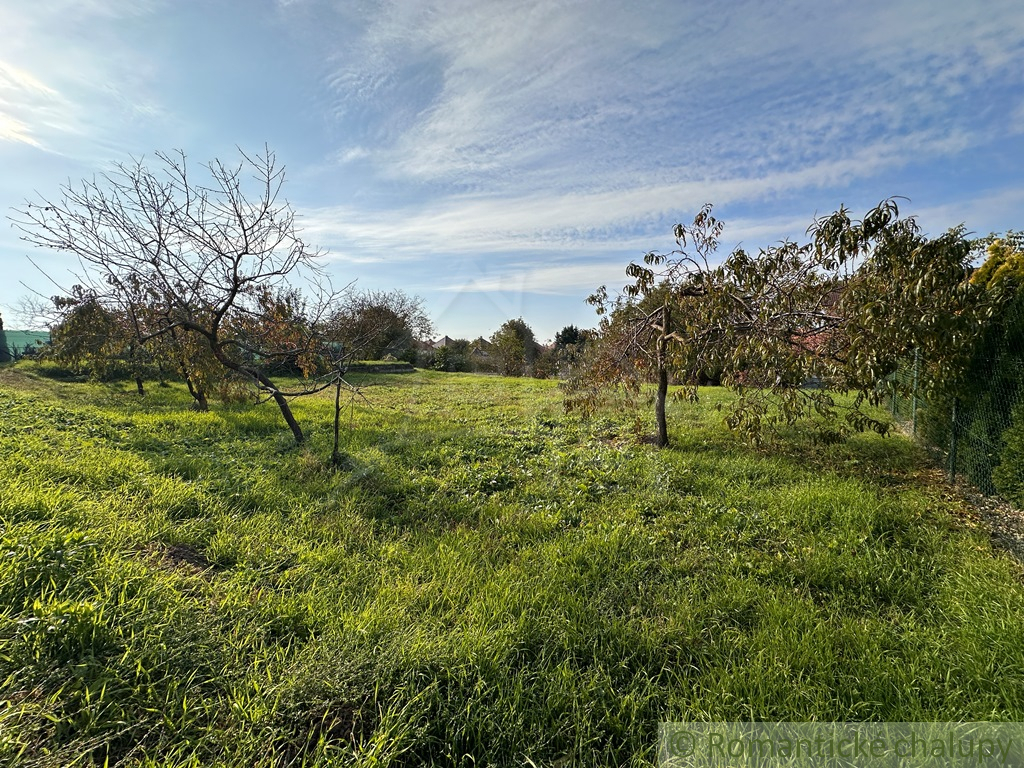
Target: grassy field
{"type": "Point", "coordinates": [489, 582]}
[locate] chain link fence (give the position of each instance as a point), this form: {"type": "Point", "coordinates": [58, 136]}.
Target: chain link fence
{"type": "Point", "coordinates": [976, 427]}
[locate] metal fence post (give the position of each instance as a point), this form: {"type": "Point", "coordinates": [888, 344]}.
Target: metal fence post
{"type": "Point", "coordinates": [913, 400]}
{"type": "Point", "coordinates": [952, 442]}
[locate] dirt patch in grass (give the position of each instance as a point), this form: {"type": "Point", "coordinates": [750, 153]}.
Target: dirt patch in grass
{"type": "Point", "coordinates": [335, 725]}
{"type": "Point", "coordinates": [1003, 521]}
{"type": "Point", "coordinates": [180, 557]}
{"type": "Point", "coordinates": [18, 379]}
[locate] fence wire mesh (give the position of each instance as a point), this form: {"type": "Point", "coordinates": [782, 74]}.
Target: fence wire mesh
{"type": "Point", "coordinates": [976, 428]}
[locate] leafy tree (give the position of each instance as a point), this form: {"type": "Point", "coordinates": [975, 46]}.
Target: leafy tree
{"type": "Point", "coordinates": [453, 356]}
{"type": "Point", "coordinates": [201, 258]}
{"type": "Point", "coordinates": [545, 364]}
{"type": "Point", "coordinates": [87, 335]}
{"type": "Point", "coordinates": [1002, 272]}
{"type": "Point", "coordinates": [570, 335]}
{"type": "Point", "coordinates": [1008, 474]}
{"type": "Point", "coordinates": [570, 344]}
{"type": "Point", "coordinates": [644, 333]}
{"type": "Point", "coordinates": [841, 310]}
{"type": "Point", "coordinates": [92, 334]}
{"type": "Point", "coordinates": [375, 324]}
{"type": "Point", "coordinates": [989, 392]}
{"type": "Point", "coordinates": [515, 347]}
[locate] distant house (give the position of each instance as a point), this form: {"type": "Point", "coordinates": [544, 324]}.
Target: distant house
{"type": "Point", "coordinates": [819, 342]}
{"type": "Point", "coordinates": [481, 347]}
{"type": "Point", "coordinates": [427, 344]}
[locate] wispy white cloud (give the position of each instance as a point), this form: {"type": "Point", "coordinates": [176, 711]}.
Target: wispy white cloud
{"type": "Point", "coordinates": [12, 129]}
{"type": "Point", "coordinates": [27, 105]}
{"type": "Point", "coordinates": [12, 78]}
{"type": "Point", "coordinates": [981, 213]}
{"type": "Point", "coordinates": [579, 271]}
{"type": "Point", "coordinates": [1017, 117]}
{"type": "Point", "coordinates": [541, 279]}
{"type": "Point", "coordinates": [62, 90]}
{"type": "Point", "coordinates": [563, 95]}
{"type": "Point", "coordinates": [572, 222]}
{"type": "Point", "coordinates": [525, 148]}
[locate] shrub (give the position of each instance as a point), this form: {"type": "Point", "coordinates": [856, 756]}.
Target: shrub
{"type": "Point", "coordinates": [1008, 476]}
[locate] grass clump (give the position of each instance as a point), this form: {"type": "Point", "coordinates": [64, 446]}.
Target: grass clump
{"type": "Point", "coordinates": [488, 581]}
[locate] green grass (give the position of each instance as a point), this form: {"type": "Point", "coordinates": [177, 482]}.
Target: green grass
{"type": "Point", "coordinates": [488, 582]}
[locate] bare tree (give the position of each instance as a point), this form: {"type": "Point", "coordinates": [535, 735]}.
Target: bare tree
{"type": "Point", "coordinates": [196, 258]}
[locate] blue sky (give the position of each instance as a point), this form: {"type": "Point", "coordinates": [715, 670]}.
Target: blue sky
{"type": "Point", "coordinates": [503, 158]}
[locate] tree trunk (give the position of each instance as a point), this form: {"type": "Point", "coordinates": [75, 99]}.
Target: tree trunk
{"type": "Point", "coordinates": [265, 382]}
{"type": "Point", "coordinates": [281, 400]}
{"type": "Point", "coordinates": [286, 411]}
{"type": "Point", "coordinates": [198, 394]}
{"type": "Point", "coordinates": [195, 389]}
{"type": "Point", "coordinates": [659, 404]}
{"type": "Point", "coordinates": [336, 453]}
{"type": "Point", "coordinates": [133, 357]}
